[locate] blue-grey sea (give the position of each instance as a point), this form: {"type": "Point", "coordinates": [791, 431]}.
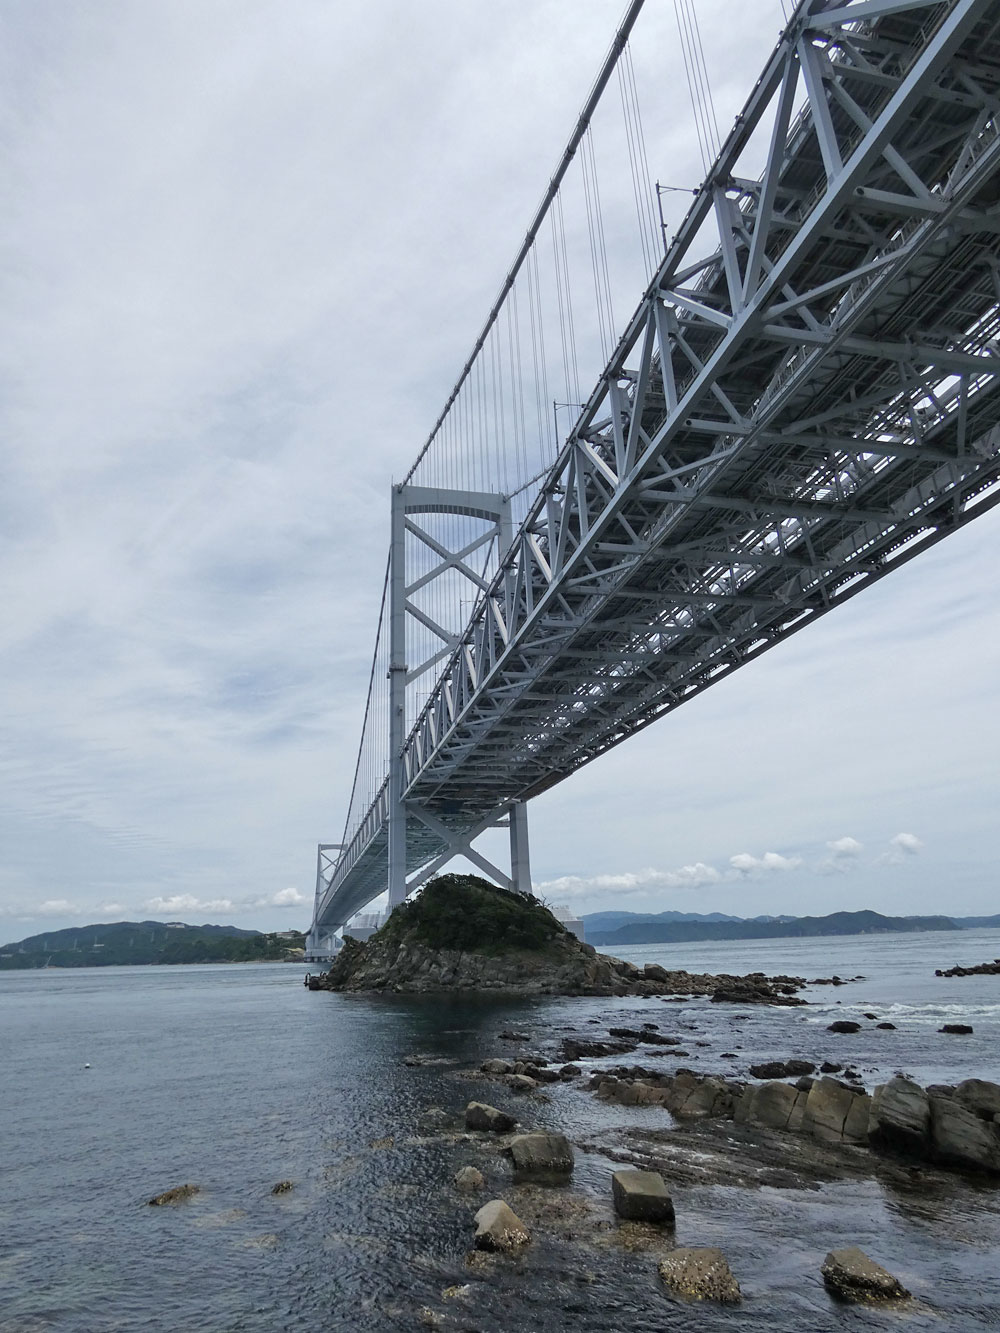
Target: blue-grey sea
{"type": "Point", "coordinates": [236, 1077]}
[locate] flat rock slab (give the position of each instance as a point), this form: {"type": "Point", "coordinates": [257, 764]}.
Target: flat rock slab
{"type": "Point", "coordinates": [542, 1153]}
{"type": "Point", "coordinates": [701, 1275]}
{"type": "Point", "coordinates": [478, 1115]}
{"type": "Point", "coordinates": [851, 1276]}
{"type": "Point", "coordinates": [642, 1196]}
{"type": "Point", "coordinates": [498, 1227]}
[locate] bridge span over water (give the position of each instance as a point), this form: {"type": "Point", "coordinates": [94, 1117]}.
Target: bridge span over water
{"type": "Point", "coordinates": [803, 399]}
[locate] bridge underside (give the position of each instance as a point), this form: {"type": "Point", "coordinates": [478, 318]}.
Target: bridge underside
{"type": "Point", "coordinates": [784, 423]}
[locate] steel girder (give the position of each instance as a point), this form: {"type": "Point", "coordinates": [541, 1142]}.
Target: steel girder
{"type": "Point", "coordinates": [784, 421]}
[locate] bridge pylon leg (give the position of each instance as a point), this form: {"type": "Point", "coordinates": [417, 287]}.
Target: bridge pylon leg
{"type": "Point", "coordinates": [520, 864]}
{"type": "Point", "coordinates": [397, 699]}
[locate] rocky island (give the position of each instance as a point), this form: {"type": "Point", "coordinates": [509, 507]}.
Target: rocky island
{"type": "Point", "coordinates": [463, 933]}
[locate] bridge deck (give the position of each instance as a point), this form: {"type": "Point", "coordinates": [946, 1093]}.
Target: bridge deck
{"type": "Point", "coordinates": [762, 447]}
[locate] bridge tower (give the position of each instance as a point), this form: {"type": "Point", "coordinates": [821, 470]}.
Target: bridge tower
{"type": "Point", "coordinates": [487, 525]}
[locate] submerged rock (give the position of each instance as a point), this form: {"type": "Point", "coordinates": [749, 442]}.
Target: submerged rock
{"type": "Point", "coordinates": [177, 1195]}
{"type": "Point", "coordinates": [844, 1025]}
{"type": "Point", "coordinates": [479, 1115]}
{"type": "Point", "coordinates": [850, 1275]}
{"type": "Point", "coordinates": [700, 1274]}
{"type": "Point", "coordinates": [283, 1187]}
{"type": "Point", "coordinates": [469, 1178]}
{"type": "Point", "coordinates": [642, 1196]}
{"type": "Point", "coordinates": [498, 1227]}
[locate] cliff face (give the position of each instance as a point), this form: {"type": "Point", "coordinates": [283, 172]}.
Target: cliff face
{"type": "Point", "coordinates": [463, 933]}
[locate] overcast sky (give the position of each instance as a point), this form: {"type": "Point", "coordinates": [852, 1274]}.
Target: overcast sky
{"type": "Point", "coordinates": [246, 245]}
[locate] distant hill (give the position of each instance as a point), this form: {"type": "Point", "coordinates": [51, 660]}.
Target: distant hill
{"type": "Point", "coordinates": [615, 920]}
{"type": "Point", "coordinates": [976, 922]}
{"type": "Point", "coordinates": [660, 930]}
{"type": "Point", "coordinates": [126, 942]}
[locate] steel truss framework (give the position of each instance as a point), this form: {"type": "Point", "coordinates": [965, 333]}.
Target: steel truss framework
{"type": "Point", "coordinates": [784, 422]}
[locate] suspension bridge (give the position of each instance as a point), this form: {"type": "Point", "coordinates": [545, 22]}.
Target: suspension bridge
{"type": "Point", "coordinates": [803, 399]}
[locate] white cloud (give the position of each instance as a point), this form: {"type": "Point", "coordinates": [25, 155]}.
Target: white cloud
{"type": "Point", "coordinates": [846, 847]}
{"type": "Point", "coordinates": [746, 864]}
{"type": "Point", "coordinates": [907, 843]}
{"type": "Point", "coordinates": [287, 898]}
{"type": "Point", "coordinates": [186, 902]}
{"type": "Point", "coordinates": [630, 882]}
{"type": "Point", "coordinates": [58, 907]}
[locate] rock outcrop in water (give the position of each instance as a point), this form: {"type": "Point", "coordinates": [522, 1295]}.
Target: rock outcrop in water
{"type": "Point", "coordinates": [463, 933]}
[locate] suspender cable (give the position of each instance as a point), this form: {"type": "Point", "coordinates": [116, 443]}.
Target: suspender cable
{"type": "Point", "coordinates": [368, 703]}
{"type": "Point", "coordinates": [607, 69]}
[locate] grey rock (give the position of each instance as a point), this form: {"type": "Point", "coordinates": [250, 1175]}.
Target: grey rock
{"type": "Point", "coordinates": [770, 1105]}
{"type": "Point", "coordinates": [478, 1115]}
{"type": "Point", "coordinates": [497, 1067]}
{"type": "Point", "coordinates": [469, 1178]}
{"type": "Point", "coordinates": [979, 1096]}
{"type": "Point", "coordinates": [570, 1071]}
{"type": "Point", "coordinates": [521, 1082]}
{"type": "Point", "coordinates": [542, 1153]}
{"type": "Point", "coordinates": [498, 1227]}
{"type": "Point", "coordinates": [833, 1112]}
{"type": "Point", "coordinates": [642, 1196]}
{"type": "Point", "coordinates": [850, 1275]}
{"type": "Point", "coordinates": [700, 1274]}
{"type": "Point", "coordinates": [960, 1138]}
{"type": "Point", "coordinates": [900, 1117]}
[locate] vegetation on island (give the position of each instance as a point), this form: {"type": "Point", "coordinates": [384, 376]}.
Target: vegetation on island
{"type": "Point", "coordinates": [130, 942]}
{"type": "Point", "coordinates": [469, 914]}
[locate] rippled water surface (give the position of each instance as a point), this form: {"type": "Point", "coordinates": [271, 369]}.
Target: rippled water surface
{"type": "Point", "coordinates": [236, 1077]}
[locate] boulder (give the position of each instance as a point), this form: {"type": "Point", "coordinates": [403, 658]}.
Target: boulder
{"type": "Point", "coordinates": [642, 1196]}
{"type": "Point", "coordinates": [468, 1178]}
{"type": "Point", "coordinates": [480, 1116]}
{"type": "Point", "coordinates": [654, 972]}
{"type": "Point", "coordinates": [834, 1113]}
{"type": "Point", "coordinates": [497, 1067]}
{"type": "Point", "coordinates": [521, 1082]}
{"type": "Point", "coordinates": [575, 1048]}
{"type": "Point", "coordinates": [979, 1096]}
{"type": "Point", "coordinates": [958, 1029]}
{"type": "Point", "coordinates": [844, 1025]}
{"type": "Point", "coordinates": [283, 1187]}
{"type": "Point", "coordinates": [782, 1069]}
{"type": "Point", "coordinates": [570, 1071]}
{"type": "Point", "coordinates": [900, 1117]}
{"type": "Point", "coordinates": [960, 1138]}
{"type": "Point", "coordinates": [770, 1105]}
{"type": "Point", "coordinates": [702, 1274]}
{"type": "Point", "coordinates": [498, 1227]}
{"type": "Point", "coordinates": [886, 1027]}
{"type": "Point", "coordinates": [851, 1276]}
{"type": "Point", "coordinates": [542, 1153]}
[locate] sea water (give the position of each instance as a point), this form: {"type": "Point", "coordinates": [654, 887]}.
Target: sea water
{"type": "Point", "coordinates": [235, 1077]}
